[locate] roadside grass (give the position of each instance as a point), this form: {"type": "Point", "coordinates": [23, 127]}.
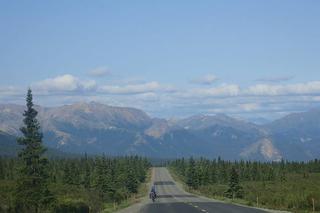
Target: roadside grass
{"type": "Point", "coordinates": [295, 194]}
{"type": "Point", "coordinates": [135, 198]}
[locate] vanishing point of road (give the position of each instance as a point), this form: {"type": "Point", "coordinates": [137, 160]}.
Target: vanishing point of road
{"type": "Point", "coordinates": [173, 199]}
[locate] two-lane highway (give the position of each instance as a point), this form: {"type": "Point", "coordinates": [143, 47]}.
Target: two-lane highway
{"type": "Point", "coordinates": [173, 199]}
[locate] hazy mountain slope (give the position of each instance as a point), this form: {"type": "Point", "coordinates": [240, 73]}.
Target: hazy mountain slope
{"type": "Point", "coordinates": [97, 128]}
{"type": "Point", "coordinates": [158, 128]}
{"type": "Point", "coordinates": [263, 149]}
{"type": "Point", "coordinates": [302, 122]}
{"type": "Point", "coordinates": [83, 127]}
{"type": "Point", "coordinates": [11, 118]}
{"type": "Point", "coordinates": [8, 145]}
{"type": "Point", "coordinates": [93, 127]}
{"type": "Point", "coordinates": [297, 135]}
{"type": "Point", "coordinates": [211, 142]}
{"type": "Point", "coordinates": [205, 121]}
{"type": "Point", "coordinates": [95, 116]}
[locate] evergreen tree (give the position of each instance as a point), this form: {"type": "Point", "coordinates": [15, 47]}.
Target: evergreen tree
{"type": "Point", "coordinates": [32, 193]}
{"type": "Point", "coordinates": [67, 175]}
{"type": "Point", "coordinates": [192, 179]}
{"type": "Point", "coordinates": [282, 171]}
{"type": "Point", "coordinates": [75, 173]}
{"type": "Point", "coordinates": [271, 175]}
{"type": "Point", "coordinates": [2, 174]}
{"type": "Point", "coordinates": [99, 175]}
{"type": "Point", "coordinates": [87, 175]}
{"type": "Point", "coordinates": [235, 190]}
{"type": "Point", "coordinates": [213, 178]}
{"type": "Point", "coordinates": [223, 174]}
{"type": "Point", "coordinates": [132, 182]}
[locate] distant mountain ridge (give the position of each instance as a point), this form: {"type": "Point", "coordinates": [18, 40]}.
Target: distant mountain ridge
{"type": "Point", "coordinates": [8, 145]}
{"type": "Point", "coordinates": [98, 128]}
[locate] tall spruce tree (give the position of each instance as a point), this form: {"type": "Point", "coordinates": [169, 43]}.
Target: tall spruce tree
{"type": "Point", "coordinates": [2, 173]}
{"type": "Point", "coordinates": [234, 190]}
{"type": "Point", "coordinates": [87, 175]}
{"type": "Point", "coordinates": [192, 178]}
{"type": "Point", "coordinates": [32, 194]}
{"type": "Point", "coordinates": [132, 182]}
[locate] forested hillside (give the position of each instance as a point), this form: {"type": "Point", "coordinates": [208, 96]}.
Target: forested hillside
{"type": "Point", "coordinates": [87, 183]}
{"type": "Point", "coordinates": [293, 186]}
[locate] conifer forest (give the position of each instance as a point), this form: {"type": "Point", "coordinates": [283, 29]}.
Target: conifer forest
{"type": "Point", "coordinates": [293, 186]}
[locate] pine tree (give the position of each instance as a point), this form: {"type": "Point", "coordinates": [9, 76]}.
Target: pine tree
{"type": "Point", "coordinates": [132, 182]}
{"type": "Point", "coordinates": [67, 175]}
{"type": "Point", "coordinates": [2, 174]}
{"type": "Point", "coordinates": [87, 175]}
{"type": "Point", "coordinates": [192, 179]}
{"type": "Point", "coordinates": [75, 173]}
{"type": "Point", "coordinates": [282, 171]}
{"type": "Point", "coordinates": [99, 175]}
{"type": "Point", "coordinates": [32, 192]}
{"type": "Point", "coordinates": [235, 190]}
{"type": "Point", "coordinates": [212, 173]}
{"type": "Point", "coordinates": [269, 174]}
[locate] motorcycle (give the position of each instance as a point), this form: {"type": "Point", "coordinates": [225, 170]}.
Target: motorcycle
{"type": "Point", "coordinates": [152, 196]}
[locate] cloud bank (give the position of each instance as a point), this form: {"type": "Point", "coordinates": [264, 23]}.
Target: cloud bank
{"type": "Point", "coordinates": [158, 99]}
{"type": "Point", "coordinates": [64, 83]}
{"type": "Point", "coordinates": [275, 79]}
{"type": "Point", "coordinates": [134, 88]}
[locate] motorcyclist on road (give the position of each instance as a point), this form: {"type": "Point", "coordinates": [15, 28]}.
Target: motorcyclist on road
{"type": "Point", "coordinates": [153, 193]}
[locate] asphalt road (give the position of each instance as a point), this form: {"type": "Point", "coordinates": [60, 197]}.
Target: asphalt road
{"type": "Point", "coordinates": [173, 199]}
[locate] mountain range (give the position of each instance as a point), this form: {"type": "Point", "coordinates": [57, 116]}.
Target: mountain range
{"type": "Point", "coordinates": [97, 128]}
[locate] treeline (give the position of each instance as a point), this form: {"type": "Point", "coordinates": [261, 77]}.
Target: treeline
{"type": "Point", "coordinates": [203, 171]}
{"type": "Point", "coordinates": [111, 180]}
{"type": "Point", "coordinates": [260, 183]}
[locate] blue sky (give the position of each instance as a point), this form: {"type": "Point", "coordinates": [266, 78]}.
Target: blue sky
{"type": "Point", "coordinates": [170, 58]}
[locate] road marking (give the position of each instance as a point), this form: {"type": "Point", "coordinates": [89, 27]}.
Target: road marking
{"type": "Point", "coordinates": [195, 206]}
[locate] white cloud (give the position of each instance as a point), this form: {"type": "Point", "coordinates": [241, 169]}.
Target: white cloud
{"type": "Point", "coordinates": [233, 90]}
{"type": "Point", "coordinates": [99, 72]}
{"type": "Point", "coordinates": [164, 100]}
{"type": "Point", "coordinates": [135, 88]}
{"type": "Point", "coordinates": [88, 85]}
{"type": "Point", "coordinates": [64, 83]}
{"type": "Point", "coordinates": [206, 80]}
{"type": "Point", "coordinates": [275, 79]}
{"type": "Point", "coordinates": [9, 91]}
{"type": "Point", "coordinates": [219, 91]}
{"type": "Point", "coordinates": [249, 106]}
{"type": "Point", "coordinates": [312, 87]}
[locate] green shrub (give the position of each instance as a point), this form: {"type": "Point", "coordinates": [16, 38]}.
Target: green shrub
{"type": "Point", "coordinates": [72, 207]}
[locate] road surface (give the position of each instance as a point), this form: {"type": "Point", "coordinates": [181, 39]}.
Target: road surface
{"type": "Point", "coordinates": [173, 199]}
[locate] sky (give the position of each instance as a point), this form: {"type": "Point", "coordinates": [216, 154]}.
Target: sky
{"type": "Point", "coordinates": [245, 58]}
